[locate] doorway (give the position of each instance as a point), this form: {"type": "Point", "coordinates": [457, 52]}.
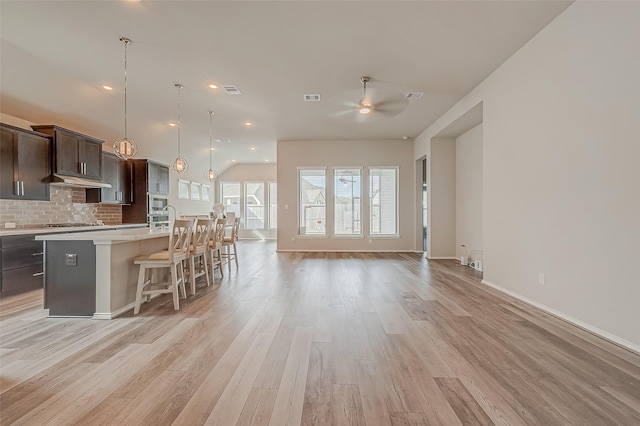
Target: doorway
{"type": "Point", "coordinates": [424, 205]}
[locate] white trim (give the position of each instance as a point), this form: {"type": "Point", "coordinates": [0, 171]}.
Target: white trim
{"type": "Point", "coordinates": [384, 236]}
{"type": "Point", "coordinates": [576, 322]}
{"type": "Point", "coordinates": [312, 236]}
{"type": "Point", "coordinates": [441, 257]}
{"type": "Point", "coordinates": [102, 316]}
{"type": "Point", "coordinates": [117, 313]}
{"type": "Point", "coordinates": [342, 251]}
{"type": "Point", "coordinates": [348, 236]}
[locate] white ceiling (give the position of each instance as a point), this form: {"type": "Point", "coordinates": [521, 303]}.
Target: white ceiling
{"type": "Point", "coordinates": [56, 55]}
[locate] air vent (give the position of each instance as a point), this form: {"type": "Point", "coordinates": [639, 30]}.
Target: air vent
{"type": "Point", "coordinates": [223, 140]}
{"type": "Point", "coordinates": [413, 95]}
{"type": "Point", "coordinates": [232, 90]}
{"type": "Point", "coordinates": [312, 97]}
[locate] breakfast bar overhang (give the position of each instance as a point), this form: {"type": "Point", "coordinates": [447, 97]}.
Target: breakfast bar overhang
{"type": "Point", "coordinates": [74, 270]}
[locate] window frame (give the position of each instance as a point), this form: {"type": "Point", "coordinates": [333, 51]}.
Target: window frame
{"type": "Point", "coordinates": [269, 218]}
{"type": "Point", "coordinates": [245, 205]}
{"type": "Point", "coordinates": [299, 206]}
{"type": "Point", "coordinates": [360, 169]}
{"type": "Point", "coordinates": [396, 234]}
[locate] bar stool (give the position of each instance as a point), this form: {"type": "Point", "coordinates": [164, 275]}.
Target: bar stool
{"type": "Point", "coordinates": [230, 241]}
{"type": "Point", "coordinates": [215, 245]}
{"type": "Point", "coordinates": [178, 250]}
{"type": "Point", "coordinates": [198, 249]}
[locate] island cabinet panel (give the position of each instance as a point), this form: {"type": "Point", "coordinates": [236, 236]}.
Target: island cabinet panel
{"type": "Point", "coordinates": [74, 154]}
{"type": "Point", "coordinates": [116, 172]}
{"type": "Point", "coordinates": [21, 264]}
{"type": "Point", "coordinates": [24, 164]}
{"type": "Point", "coordinates": [70, 283]}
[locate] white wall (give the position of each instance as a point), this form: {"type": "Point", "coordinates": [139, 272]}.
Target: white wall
{"type": "Point", "coordinates": [441, 207]}
{"type": "Point", "coordinates": [469, 193]}
{"type": "Point", "coordinates": [352, 153]}
{"type": "Point", "coordinates": [561, 169]}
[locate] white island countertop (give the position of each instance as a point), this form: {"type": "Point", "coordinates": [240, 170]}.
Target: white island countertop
{"type": "Point", "coordinates": [109, 237]}
{"type": "Point", "coordinates": [60, 230]}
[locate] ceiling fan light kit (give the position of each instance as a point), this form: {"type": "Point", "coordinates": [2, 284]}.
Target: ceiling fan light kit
{"type": "Point", "coordinates": [364, 107]}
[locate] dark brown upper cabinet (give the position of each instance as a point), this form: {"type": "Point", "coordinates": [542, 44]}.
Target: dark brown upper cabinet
{"type": "Point", "coordinates": [74, 154]}
{"type": "Point", "coordinates": [115, 172]}
{"type": "Point", "coordinates": [24, 164]}
{"type": "Point", "coordinates": [158, 178]}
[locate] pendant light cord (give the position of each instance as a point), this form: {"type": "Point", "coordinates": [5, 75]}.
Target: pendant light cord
{"type": "Point", "coordinates": [210, 139]}
{"type": "Point", "coordinates": [179, 86]}
{"type": "Point", "coordinates": [126, 43]}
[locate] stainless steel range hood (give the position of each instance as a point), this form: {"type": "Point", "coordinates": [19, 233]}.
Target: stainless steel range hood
{"type": "Point", "coordinates": [77, 182]}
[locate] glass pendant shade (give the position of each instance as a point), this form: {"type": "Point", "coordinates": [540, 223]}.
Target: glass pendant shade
{"type": "Point", "coordinates": [125, 148]}
{"type": "Point", "coordinates": [210, 174]}
{"type": "Point", "coordinates": [180, 165]}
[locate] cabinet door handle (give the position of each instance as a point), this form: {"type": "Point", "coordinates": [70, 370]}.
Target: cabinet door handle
{"type": "Point", "coordinates": [37, 274]}
{"type": "Point", "coordinates": [17, 191]}
{"type": "Point", "coordinates": [37, 254]}
{"type": "Point", "coordinates": [22, 187]}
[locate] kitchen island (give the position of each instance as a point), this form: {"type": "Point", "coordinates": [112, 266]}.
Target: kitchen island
{"type": "Point", "coordinates": [92, 274]}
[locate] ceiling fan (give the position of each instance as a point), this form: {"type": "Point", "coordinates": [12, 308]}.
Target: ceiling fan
{"type": "Point", "coordinates": [373, 102]}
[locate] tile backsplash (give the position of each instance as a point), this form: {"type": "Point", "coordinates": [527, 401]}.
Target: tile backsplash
{"type": "Point", "coordinates": [65, 205]}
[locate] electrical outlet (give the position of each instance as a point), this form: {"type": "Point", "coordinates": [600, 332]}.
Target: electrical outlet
{"type": "Point", "coordinates": [9, 225]}
{"type": "Point", "coordinates": [542, 279]}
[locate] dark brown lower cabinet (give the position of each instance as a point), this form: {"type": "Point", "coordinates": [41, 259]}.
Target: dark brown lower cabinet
{"type": "Point", "coordinates": [22, 264]}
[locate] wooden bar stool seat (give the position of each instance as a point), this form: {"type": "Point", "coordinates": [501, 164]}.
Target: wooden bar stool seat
{"type": "Point", "coordinates": [171, 259]}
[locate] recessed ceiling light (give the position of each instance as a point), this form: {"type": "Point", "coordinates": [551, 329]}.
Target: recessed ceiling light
{"type": "Point", "coordinates": [266, 161]}
{"type": "Point", "coordinates": [405, 137]}
{"type": "Point", "coordinates": [233, 161]}
{"type": "Point", "coordinates": [108, 88]}
{"type": "Point", "coordinates": [213, 86]}
{"type": "Point", "coordinates": [213, 149]}
{"type": "Point", "coordinates": [248, 123]}
{"type": "Point", "coordinates": [172, 124]}
{"type": "Point", "coordinates": [253, 148]}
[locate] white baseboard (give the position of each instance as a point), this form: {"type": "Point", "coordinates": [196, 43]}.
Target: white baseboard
{"type": "Point", "coordinates": [442, 258]}
{"type": "Point", "coordinates": [114, 314]}
{"type": "Point", "coordinates": [344, 251]}
{"type": "Point", "coordinates": [580, 324]}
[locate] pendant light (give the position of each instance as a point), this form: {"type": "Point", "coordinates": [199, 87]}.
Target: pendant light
{"type": "Point", "coordinates": [180, 165]}
{"type": "Point", "coordinates": [125, 148]}
{"type": "Point", "coordinates": [364, 107]}
{"type": "Point", "coordinates": [210, 174]}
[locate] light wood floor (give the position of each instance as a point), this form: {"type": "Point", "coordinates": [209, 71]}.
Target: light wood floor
{"type": "Point", "coordinates": [316, 339]}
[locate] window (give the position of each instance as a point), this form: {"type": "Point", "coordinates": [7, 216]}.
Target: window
{"type": "Point", "coordinates": [383, 199]}
{"type": "Point", "coordinates": [273, 205]}
{"type": "Point", "coordinates": [230, 195]}
{"type": "Point", "coordinates": [254, 205]}
{"type": "Point", "coordinates": [311, 201]}
{"type": "Point", "coordinates": [347, 186]}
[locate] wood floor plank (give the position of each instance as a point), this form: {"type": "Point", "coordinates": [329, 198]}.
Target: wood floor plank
{"type": "Point", "coordinates": [287, 409]}
{"type": "Point", "coordinates": [316, 339]}
{"type": "Point", "coordinates": [229, 407]}
{"type": "Point", "coordinates": [466, 408]}
{"type": "Point", "coordinates": [257, 410]}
